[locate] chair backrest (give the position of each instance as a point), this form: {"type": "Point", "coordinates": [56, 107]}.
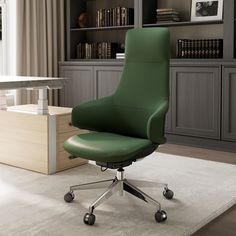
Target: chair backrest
{"type": "Point", "coordinates": [145, 81]}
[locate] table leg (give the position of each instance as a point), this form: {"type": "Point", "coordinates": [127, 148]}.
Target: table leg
{"type": "Point", "coordinates": [42, 102]}
{"type": "Point", "coordinates": [3, 100]}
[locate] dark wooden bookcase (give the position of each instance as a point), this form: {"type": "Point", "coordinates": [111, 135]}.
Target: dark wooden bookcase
{"type": "Point", "coordinates": [90, 33]}
{"type": "Point", "coordinates": [145, 16]}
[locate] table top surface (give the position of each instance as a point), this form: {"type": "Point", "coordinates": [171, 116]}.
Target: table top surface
{"type": "Point", "coordinates": [6, 78]}
{"type": "Point", "coordinates": [32, 109]}
{"type": "Point", "coordinates": [14, 82]}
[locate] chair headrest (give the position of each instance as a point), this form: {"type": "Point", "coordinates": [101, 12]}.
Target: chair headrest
{"type": "Point", "coordinates": [142, 43]}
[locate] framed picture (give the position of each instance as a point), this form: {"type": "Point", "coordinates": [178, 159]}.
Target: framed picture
{"type": "Point", "coordinates": [202, 10]}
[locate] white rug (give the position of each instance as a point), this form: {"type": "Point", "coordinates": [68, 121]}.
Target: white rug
{"type": "Point", "coordinates": [32, 203]}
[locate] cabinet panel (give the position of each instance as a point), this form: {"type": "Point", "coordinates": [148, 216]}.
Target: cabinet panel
{"type": "Point", "coordinates": [196, 101]}
{"type": "Point", "coordinates": [80, 86]}
{"type": "Point", "coordinates": [229, 104]}
{"type": "Point", "coordinates": [168, 124]}
{"type": "Point", "coordinates": [168, 121]}
{"type": "Point", "coordinates": [107, 80]}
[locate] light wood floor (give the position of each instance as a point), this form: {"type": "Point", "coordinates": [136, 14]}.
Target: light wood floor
{"type": "Point", "coordinates": [225, 224]}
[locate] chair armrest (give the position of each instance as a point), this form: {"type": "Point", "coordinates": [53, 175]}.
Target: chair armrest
{"type": "Point", "coordinates": [94, 115]}
{"type": "Point", "coordinates": [156, 123]}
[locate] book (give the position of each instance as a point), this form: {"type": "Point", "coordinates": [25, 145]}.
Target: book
{"type": "Point", "coordinates": [120, 55]}
{"type": "Point", "coordinates": [130, 16]}
{"type": "Point", "coordinates": [167, 15]}
{"type": "Point", "coordinates": [176, 19]}
{"type": "Point", "coordinates": [166, 10]}
{"type": "Point", "coordinates": [123, 15]}
{"type": "Point", "coordinates": [118, 16]}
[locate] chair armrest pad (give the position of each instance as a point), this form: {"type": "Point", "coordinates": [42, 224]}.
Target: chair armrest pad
{"type": "Point", "coordinates": [156, 123]}
{"type": "Point", "coordinates": [94, 115]}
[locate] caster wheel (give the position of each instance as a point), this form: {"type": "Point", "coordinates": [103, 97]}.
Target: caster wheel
{"type": "Point", "coordinates": [160, 216]}
{"type": "Point", "coordinates": [89, 219]}
{"type": "Point", "coordinates": [69, 197]}
{"type": "Point", "coordinates": [168, 194]}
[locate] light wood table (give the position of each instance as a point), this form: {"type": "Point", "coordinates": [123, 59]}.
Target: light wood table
{"type": "Point", "coordinates": [32, 136]}
{"type": "Point", "coordinates": [29, 82]}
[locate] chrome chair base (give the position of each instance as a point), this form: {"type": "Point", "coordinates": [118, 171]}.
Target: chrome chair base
{"type": "Point", "coordinates": [118, 185]}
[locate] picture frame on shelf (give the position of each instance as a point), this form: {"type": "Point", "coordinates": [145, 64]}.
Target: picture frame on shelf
{"type": "Point", "coordinates": [203, 10]}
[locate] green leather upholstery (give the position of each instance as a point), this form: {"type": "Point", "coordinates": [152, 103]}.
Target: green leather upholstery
{"type": "Point", "coordinates": [107, 147]}
{"type": "Point", "coordinates": [133, 117]}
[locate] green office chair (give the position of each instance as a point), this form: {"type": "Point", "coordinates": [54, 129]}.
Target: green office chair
{"type": "Point", "coordinates": [129, 124]}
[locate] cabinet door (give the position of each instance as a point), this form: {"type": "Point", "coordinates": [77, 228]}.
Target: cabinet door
{"type": "Point", "coordinates": [229, 104]}
{"type": "Point", "coordinates": [107, 79]}
{"type": "Point", "coordinates": [196, 101]}
{"type": "Point", "coordinates": [79, 87]}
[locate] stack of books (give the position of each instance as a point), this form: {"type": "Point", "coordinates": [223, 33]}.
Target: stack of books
{"type": "Point", "coordinates": [167, 15]}
{"type": "Point", "coordinates": [200, 48]}
{"type": "Point", "coordinates": [118, 16]}
{"type": "Point", "coordinates": [101, 50]}
{"type": "Point", "coordinates": [120, 55]}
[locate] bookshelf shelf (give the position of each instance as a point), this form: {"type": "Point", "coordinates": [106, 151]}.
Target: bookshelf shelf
{"type": "Point", "coordinates": [94, 60]}
{"type": "Point", "coordinates": [183, 23]}
{"type": "Point", "coordinates": [103, 28]}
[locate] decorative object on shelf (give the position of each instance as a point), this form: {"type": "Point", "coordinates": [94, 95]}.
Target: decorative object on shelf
{"type": "Point", "coordinates": [200, 48]}
{"type": "Point", "coordinates": [119, 16]}
{"type": "Point", "coordinates": [83, 19]}
{"type": "Point", "coordinates": [122, 47]}
{"type": "Point", "coordinates": [167, 15]}
{"type": "Point", "coordinates": [202, 10]}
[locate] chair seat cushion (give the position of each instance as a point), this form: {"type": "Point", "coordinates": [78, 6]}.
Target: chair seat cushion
{"type": "Point", "coordinates": [105, 147]}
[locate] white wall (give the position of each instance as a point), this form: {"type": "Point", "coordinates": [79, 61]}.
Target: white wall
{"type": "Point", "coordinates": [3, 41]}
{"type": "Point", "coordinates": [8, 42]}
